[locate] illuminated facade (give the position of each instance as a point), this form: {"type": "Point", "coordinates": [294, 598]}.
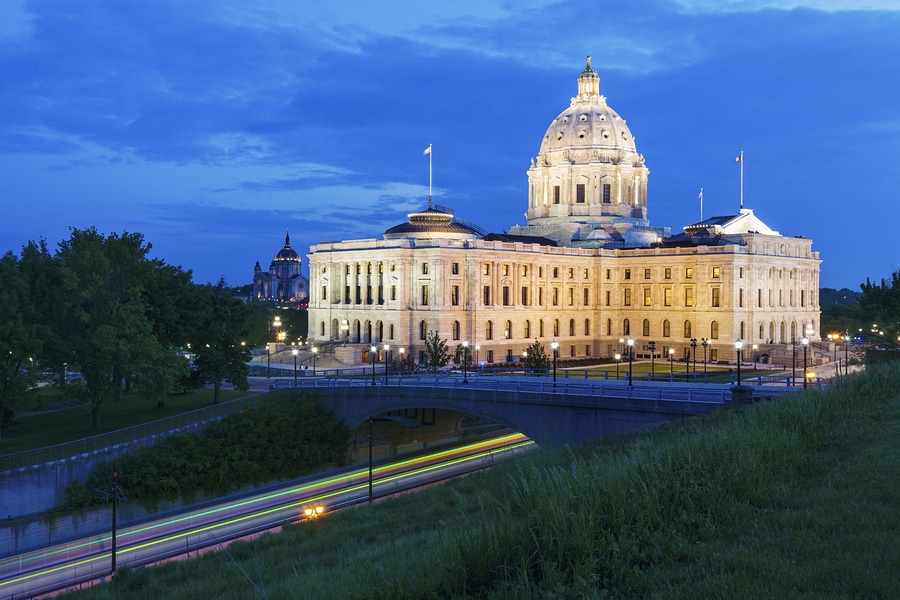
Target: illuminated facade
{"type": "Point", "coordinates": [587, 269]}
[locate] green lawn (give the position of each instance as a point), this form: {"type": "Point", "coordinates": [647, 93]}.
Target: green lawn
{"type": "Point", "coordinates": [52, 425]}
{"type": "Point", "coordinates": [791, 498]}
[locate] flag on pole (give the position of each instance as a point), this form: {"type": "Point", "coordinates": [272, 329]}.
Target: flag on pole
{"type": "Point", "coordinates": [740, 158]}
{"type": "Point", "coordinates": [701, 194]}
{"type": "Point", "coordinates": [427, 150]}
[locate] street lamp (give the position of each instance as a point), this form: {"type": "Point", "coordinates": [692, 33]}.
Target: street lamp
{"type": "Point", "coordinates": [618, 360]}
{"type": "Point", "coordinates": [387, 348]}
{"type": "Point", "coordinates": [694, 348]}
{"type": "Point", "coordinates": [805, 341]}
{"type": "Point", "coordinates": [477, 348]}
{"type": "Point", "coordinates": [315, 352]}
{"type": "Point", "coordinates": [554, 345]}
{"type": "Point", "coordinates": [372, 351]}
{"type": "Point", "coordinates": [314, 512]}
{"type": "Point", "coordinates": [672, 363]}
{"type": "Point", "coordinates": [847, 354]}
{"type": "Point", "coordinates": [294, 352]}
{"type": "Point", "coordinates": [630, 358]}
{"type": "Point", "coordinates": [705, 344]}
{"type": "Point", "coordinates": [652, 346]}
{"type": "Point", "coordinates": [755, 355]}
{"type": "Point", "coordinates": [737, 348]}
{"type": "Point", "coordinates": [465, 346]}
{"type": "Point", "coordinates": [400, 366]}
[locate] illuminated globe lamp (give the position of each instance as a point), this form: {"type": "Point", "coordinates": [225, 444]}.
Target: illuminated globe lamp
{"type": "Point", "coordinates": [314, 512]}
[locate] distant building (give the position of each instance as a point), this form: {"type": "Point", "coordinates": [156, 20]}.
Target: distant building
{"type": "Point", "coordinates": [587, 270]}
{"type": "Point", "coordinates": [283, 282]}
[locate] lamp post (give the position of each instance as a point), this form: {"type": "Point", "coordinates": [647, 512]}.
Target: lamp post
{"type": "Point", "coordinates": [672, 363]}
{"type": "Point", "coordinates": [294, 352]}
{"type": "Point", "coordinates": [618, 360]}
{"type": "Point", "coordinates": [315, 352]}
{"type": "Point", "coordinates": [694, 349]}
{"type": "Point", "coordinates": [755, 355]}
{"type": "Point", "coordinates": [465, 357]}
{"type": "Point", "coordinates": [705, 344]}
{"type": "Point", "coordinates": [652, 346]}
{"type": "Point", "coordinates": [793, 362]}
{"type": "Point", "coordinates": [477, 366]}
{"type": "Point", "coordinates": [554, 345]}
{"type": "Point", "coordinates": [847, 355]}
{"type": "Point", "coordinates": [387, 363]}
{"type": "Point", "coordinates": [805, 341]}
{"type": "Point", "coordinates": [737, 348]}
{"type": "Point", "coordinates": [400, 367]}
{"type": "Point", "coordinates": [372, 351]}
{"type": "Point", "coordinates": [622, 345]}
{"type": "Point", "coordinates": [630, 358]}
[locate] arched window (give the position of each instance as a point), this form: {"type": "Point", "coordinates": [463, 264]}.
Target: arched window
{"type": "Point", "coordinates": [609, 327]}
{"type": "Point", "coordinates": [571, 327]}
{"type": "Point", "coordinates": [541, 328]}
{"type": "Point", "coordinates": [507, 330]}
{"type": "Point", "coordinates": [489, 331]}
{"type": "Point", "coordinates": [742, 330]}
{"type": "Point", "coordinates": [391, 331]}
{"type": "Point", "coordinates": [526, 329]}
{"type": "Point", "coordinates": [626, 327]}
{"type": "Point", "coordinates": [688, 331]}
{"type": "Point", "coordinates": [422, 332]}
{"type": "Point", "coordinates": [587, 327]}
{"type": "Point", "coordinates": [456, 329]}
{"type": "Point", "coordinates": [714, 330]}
{"type": "Point", "coordinates": [667, 328]}
{"type": "Point", "coordinates": [645, 328]}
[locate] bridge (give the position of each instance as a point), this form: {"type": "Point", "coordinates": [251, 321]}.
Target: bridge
{"type": "Point", "coordinates": [564, 413]}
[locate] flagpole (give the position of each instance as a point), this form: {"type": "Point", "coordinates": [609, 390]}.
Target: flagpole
{"type": "Point", "coordinates": [701, 204]}
{"type": "Point", "coordinates": [740, 159]}
{"type": "Point", "coordinates": [430, 174]}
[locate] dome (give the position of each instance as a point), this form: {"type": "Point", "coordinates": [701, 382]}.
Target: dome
{"type": "Point", "coordinates": [287, 253]}
{"type": "Point", "coordinates": [432, 223]}
{"type": "Point", "coordinates": [589, 130]}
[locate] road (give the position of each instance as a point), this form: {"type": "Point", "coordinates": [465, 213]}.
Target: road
{"type": "Point", "coordinates": [87, 559]}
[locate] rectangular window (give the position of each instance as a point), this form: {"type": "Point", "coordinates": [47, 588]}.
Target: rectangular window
{"type": "Point", "coordinates": [487, 295]}
{"type": "Point", "coordinates": [585, 274]}
{"type": "Point", "coordinates": [571, 273]}
{"type": "Point", "coordinates": [587, 296]}
{"type": "Point", "coordinates": [646, 296]}
{"type": "Point", "coordinates": [555, 194]}
{"type": "Point", "coordinates": [424, 268]}
{"type": "Point", "coordinates": [608, 297]}
{"type": "Point", "coordinates": [759, 297]}
{"type": "Point", "coordinates": [689, 296]}
{"type": "Point", "coordinates": [646, 273]}
{"type": "Point", "coordinates": [540, 271]}
{"type": "Point", "coordinates": [455, 268]}
{"type": "Point", "coordinates": [716, 297]}
{"type": "Point", "coordinates": [689, 273]}
{"type": "Point", "coordinates": [741, 273]}
{"type": "Point", "coordinates": [393, 292]}
{"type": "Point", "coordinates": [741, 298]}
{"type": "Point", "coordinates": [803, 298]}
{"type": "Point", "coordinates": [490, 357]}
{"type": "Point", "coordinates": [524, 270]}
{"type": "Point", "coordinates": [424, 295]}
{"type": "Point", "coordinates": [540, 296]}
{"type": "Point", "coordinates": [505, 270]}
{"type": "Point", "coordinates": [324, 292]}
{"type": "Point", "coordinates": [454, 295]}
{"type": "Point", "coordinates": [555, 272]}
{"type": "Point", "coordinates": [555, 300]}
{"type": "Point", "coordinates": [509, 355]}
{"type": "Point", "coordinates": [609, 273]}
{"type": "Point", "coordinates": [626, 300]}
{"type": "Point", "coordinates": [668, 273]}
{"type": "Point", "coordinates": [579, 193]}
{"type": "Point", "coordinates": [717, 272]}
{"type": "Point", "coordinates": [667, 297]}
{"type": "Point", "coordinates": [524, 296]}
{"type": "Point", "coordinates": [606, 193]}
{"type": "Point", "coordinates": [505, 295]}
{"type": "Point", "coordinates": [571, 296]}
{"type": "Point", "coordinates": [486, 268]}
{"type": "Point", "coordinates": [627, 273]}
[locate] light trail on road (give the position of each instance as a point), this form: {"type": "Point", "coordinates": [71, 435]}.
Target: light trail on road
{"type": "Point", "coordinates": [90, 558]}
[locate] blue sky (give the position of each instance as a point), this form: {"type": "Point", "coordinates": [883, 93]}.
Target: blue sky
{"type": "Point", "coordinates": [211, 127]}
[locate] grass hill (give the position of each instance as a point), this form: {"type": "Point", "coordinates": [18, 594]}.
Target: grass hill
{"type": "Point", "coordinates": [792, 498]}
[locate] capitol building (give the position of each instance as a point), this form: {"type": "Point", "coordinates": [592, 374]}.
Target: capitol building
{"type": "Point", "coordinates": [587, 270]}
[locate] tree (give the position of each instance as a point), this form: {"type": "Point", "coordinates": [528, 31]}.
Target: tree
{"type": "Point", "coordinates": [219, 353]}
{"type": "Point", "coordinates": [881, 305]}
{"type": "Point", "coordinates": [101, 323]}
{"type": "Point", "coordinates": [405, 364]}
{"type": "Point", "coordinates": [437, 354]}
{"type": "Point", "coordinates": [21, 335]}
{"type": "Point", "coordinates": [536, 358]}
